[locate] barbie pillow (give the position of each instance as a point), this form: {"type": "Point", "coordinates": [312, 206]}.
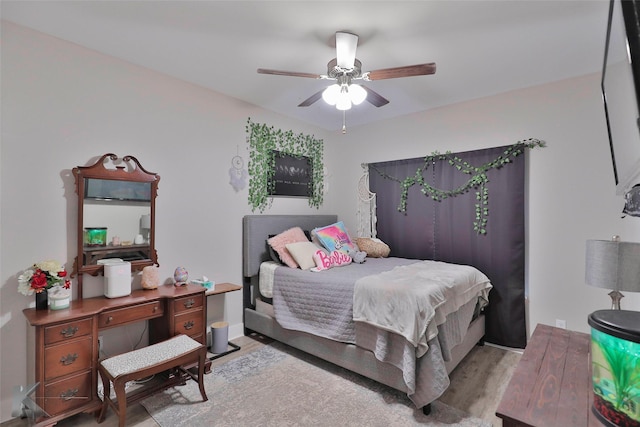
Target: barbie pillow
{"type": "Point", "coordinates": [326, 261]}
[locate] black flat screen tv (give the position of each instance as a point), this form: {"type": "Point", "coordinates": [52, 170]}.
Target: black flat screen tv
{"type": "Point", "coordinates": [621, 91]}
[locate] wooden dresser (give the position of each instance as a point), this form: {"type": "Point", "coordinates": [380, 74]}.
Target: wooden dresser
{"type": "Point", "coordinates": [551, 386]}
{"type": "Point", "coordinates": [66, 349]}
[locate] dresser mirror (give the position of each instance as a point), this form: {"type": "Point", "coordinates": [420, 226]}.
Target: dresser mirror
{"type": "Point", "coordinates": [116, 215]}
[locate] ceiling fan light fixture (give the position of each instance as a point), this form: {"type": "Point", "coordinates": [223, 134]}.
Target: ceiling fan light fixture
{"type": "Point", "coordinates": [357, 94]}
{"type": "Point", "coordinates": [343, 96]}
{"type": "Point", "coordinates": [344, 103]}
{"type": "Point", "coordinates": [344, 99]}
{"type": "Point", "coordinates": [331, 94]}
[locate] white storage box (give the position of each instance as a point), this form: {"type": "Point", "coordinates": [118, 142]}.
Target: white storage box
{"type": "Point", "coordinates": [117, 279]}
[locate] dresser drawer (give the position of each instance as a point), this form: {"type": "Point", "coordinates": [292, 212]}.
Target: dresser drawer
{"type": "Point", "coordinates": [188, 303]}
{"type": "Point", "coordinates": [67, 394]}
{"type": "Point", "coordinates": [189, 323]}
{"type": "Point", "coordinates": [67, 331]}
{"type": "Point", "coordinates": [134, 313]}
{"type": "Point", "coordinates": [64, 359]}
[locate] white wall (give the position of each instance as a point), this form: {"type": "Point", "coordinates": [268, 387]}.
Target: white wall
{"type": "Point", "coordinates": [63, 105]}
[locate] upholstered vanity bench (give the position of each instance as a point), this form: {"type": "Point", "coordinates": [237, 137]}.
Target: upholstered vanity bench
{"type": "Point", "coordinates": [173, 353]}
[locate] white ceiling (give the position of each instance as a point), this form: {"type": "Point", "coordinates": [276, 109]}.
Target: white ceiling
{"type": "Point", "coordinates": [480, 47]}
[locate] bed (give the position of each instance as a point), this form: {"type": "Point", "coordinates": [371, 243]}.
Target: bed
{"type": "Point", "coordinates": [417, 363]}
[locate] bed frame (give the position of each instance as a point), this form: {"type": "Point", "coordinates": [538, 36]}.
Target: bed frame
{"type": "Point", "coordinates": [256, 230]}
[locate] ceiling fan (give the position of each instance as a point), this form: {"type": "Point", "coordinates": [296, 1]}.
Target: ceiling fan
{"type": "Point", "coordinates": [345, 69]}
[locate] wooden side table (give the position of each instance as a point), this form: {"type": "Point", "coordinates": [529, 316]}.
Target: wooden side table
{"type": "Point", "coordinates": [222, 288]}
{"type": "Point", "coordinates": [551, 385]}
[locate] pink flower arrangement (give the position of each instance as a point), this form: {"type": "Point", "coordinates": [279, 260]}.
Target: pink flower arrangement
{"type": "Point", "coordinates": [43, 275]}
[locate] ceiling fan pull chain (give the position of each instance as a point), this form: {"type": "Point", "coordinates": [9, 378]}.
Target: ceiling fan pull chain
{"type": "Point", "coordinates": [344, 122]}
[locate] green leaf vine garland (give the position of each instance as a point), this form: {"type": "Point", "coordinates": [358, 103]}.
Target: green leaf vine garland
{"type": "Point", "coordinates": [263, 140]}
{"type": "Point", "coordinates": [478, 179]}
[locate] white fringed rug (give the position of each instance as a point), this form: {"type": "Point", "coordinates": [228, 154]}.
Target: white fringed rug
{"type": "Point", "coordinates": [280, 386]}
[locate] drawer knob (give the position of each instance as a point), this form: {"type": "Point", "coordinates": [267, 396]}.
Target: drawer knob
{"type": "Point", "coordinates": [155, 308]}
{"type": "Point", "coordinates": [69, 331]}
{"type": "Point", "coordinates": [188, 325]}
{"type": "Point", "coordinates": [69, 394]}
{"type": "Point", "coordinates": [189, 303]}
{"type": "Point", "coordinates": [68, 359]}
{"type": "Point", "coordinates": [109, 319]}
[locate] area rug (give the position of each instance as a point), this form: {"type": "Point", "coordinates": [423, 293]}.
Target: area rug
{"type": "Point", "coordinates": [277, 385]}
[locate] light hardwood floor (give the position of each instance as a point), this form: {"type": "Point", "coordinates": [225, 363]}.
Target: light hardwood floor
{"type": "Point", "coordinates": [476, 386]}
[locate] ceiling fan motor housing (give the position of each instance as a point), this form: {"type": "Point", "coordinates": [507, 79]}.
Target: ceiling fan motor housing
{"type": "Point", "coordinates": [334, 71]}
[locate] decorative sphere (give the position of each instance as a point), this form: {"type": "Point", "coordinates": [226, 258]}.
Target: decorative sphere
{"type": "Point", "coordinates": [181, 275]}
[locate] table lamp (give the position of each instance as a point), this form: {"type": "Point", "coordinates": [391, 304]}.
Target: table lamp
{"type": "Point", "coordinates": [612, 264]}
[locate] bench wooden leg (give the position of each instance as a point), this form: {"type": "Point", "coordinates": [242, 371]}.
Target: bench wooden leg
{"type": "Point", "coordinates": [106, 389]}
{"type": "Point", "coordinates": [201, 363]}
{"type": "Point", "coordinates": [121, 396]}
{"type": "Point", "coordinates": [199, 378]}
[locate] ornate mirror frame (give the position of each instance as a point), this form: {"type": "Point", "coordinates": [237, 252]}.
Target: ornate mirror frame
{"type": "Point", "coordinates": [126, 185]}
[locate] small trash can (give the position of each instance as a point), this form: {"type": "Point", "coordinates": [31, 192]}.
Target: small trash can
{"type": "Point", "coordinates": [219, 337]}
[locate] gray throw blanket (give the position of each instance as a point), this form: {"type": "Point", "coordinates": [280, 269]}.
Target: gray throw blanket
{"type": "Point", "coordinates": [412, 300]}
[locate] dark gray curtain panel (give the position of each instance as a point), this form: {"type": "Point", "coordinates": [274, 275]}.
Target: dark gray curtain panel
{"type": "Point", "coordinates": [444, 231]}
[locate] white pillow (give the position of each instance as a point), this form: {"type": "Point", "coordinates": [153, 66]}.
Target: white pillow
{"type": "Point", "coordinates": [303, 253]}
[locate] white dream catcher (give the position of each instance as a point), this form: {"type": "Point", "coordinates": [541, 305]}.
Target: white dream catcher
{"type": "Point", "coordinates": [366, 206]}
{"type": "Point", "coordinates": [237, 173]}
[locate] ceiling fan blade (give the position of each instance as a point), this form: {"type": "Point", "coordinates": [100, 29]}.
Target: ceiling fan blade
{"type": "Point", "coordinates": [288, 73]}
{"type": "Point", "coordinates": [406, 71]}
{"type": "Point", "coordinates": [375, 98]}
{"type": "Point", "coordinates": [346, 44]}
{"type": "Point", "coordinates": [310, 100]}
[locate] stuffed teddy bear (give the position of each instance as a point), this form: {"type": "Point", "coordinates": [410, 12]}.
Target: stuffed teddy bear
{"type": "Point", "coordinates": [357, 256]}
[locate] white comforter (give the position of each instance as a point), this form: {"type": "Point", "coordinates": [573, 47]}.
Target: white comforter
{"type": "Point", "coordinates": [412, 300]}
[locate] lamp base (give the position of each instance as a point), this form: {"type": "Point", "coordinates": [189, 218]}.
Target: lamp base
{"type": "Point", "coordinates": [616, 296]}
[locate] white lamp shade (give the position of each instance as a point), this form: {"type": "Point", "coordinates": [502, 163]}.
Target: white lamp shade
{"type": "Point", "coordinates": [613, 265]}
{"type": "Point", "coordinates": [331, 94]}
{"type": "Point", "coordinates": [357, 94]}
{"type": "Point", "coordinates": [344, 103]}
{"type": "Point", "coordinates": [343, 96]}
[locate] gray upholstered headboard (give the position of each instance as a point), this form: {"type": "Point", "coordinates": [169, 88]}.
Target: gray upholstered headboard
{"type": "Point", "coordinates": [256, 229]}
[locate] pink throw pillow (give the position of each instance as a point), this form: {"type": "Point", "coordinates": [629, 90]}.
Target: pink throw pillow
{"type": "Point", "coordinates": [280, 241]}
